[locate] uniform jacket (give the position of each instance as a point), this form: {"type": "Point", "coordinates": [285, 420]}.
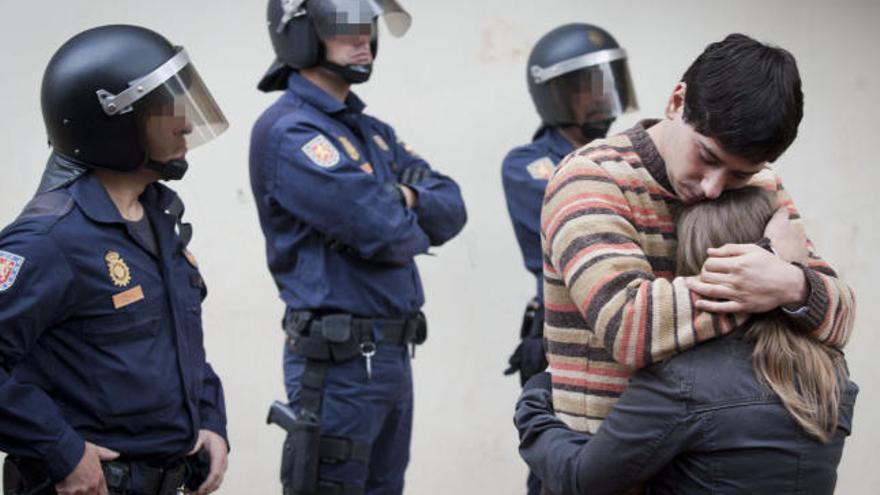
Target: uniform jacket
{"type": "Point", "coordinates": [100, 340]}
{"type": "Point", "coordinates": [338, 237]}
{"type": "Point", "coordinates": [524, 173]}
{"type": "Point", "coordinates": [699, 422]}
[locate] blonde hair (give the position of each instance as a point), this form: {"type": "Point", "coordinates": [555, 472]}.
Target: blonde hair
{"type": "Point", "coordinates": [802, 372]}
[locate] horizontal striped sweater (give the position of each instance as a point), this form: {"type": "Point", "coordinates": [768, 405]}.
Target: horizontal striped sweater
{"type": "Point", "coordinates": [612, 302]}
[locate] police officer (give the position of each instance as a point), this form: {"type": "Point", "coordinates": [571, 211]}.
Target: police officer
{"type": "Point", "coordinates": [579, 81]}
{"type": "Point", "coordinates": [345, 207]}
{"type": "Point", "coordinates": [104, 387]}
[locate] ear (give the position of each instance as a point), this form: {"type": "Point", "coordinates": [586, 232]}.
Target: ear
{"type": "Point", "coordinates": [675, 105]}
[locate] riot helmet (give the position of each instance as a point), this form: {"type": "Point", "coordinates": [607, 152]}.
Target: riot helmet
{"type": "Point", "coordinates": [297, 28]}
{"type": "Point", "coordinates": [578, 76]}
{"type": "Point", "coordinates": [120, 97]}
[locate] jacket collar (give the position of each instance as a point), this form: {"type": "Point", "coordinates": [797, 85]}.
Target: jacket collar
{"type": "Point", "coordinates": [94, 201]}
{"type": "Point", "coordinates": [318, 98]}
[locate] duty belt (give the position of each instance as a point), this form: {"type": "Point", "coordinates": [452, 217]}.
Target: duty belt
{"type": "Point", "coordinates": [339, 337]}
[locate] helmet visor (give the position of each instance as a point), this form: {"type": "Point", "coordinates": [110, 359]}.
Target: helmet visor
{"type": "Point", "coordinates": [181, 113]}
{"type": "Point", "coordinates": [172, 99]}
{"type": "Point", "coordinates": [592, 94]}
{"type": "Point", "coordinates": [357, 17]}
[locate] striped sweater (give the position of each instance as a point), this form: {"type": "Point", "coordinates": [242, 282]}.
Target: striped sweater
{"type": "Point", "coordinates": [612, 301]}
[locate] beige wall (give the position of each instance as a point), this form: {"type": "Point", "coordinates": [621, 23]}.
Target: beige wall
{"type": "Point", "coordinates": [454, 88]}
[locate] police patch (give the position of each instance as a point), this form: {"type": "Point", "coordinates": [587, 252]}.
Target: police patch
{"type": "Point", "coordinates": [541, 169]}
{"type": "Point", "coordinates": [349, 148]}
{"type": "Point", "coordinates": [10, 265]}
{"type": "Point", "coordinates": [119, 272]}
{"type": "Point", "coordinates": [380, 142]}
{"type": "Point", "coordinates": [321, 152]}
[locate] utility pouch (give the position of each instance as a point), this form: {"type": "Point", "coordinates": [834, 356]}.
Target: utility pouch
{"type": "Point", "coordinates": [420, 328]}
{"type": "Point", "coordinates": [21, 479]}
{"type": "Point", "coordinates": [197, 468]}
{"type": "Point", "coordinates": [336, 328]}
{"type": "Point", "coordinates": [296, 322]}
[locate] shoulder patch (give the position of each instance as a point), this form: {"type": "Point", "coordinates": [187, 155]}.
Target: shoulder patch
{"type": "Point", "coordinates": [10, 265]}
{"type": "Point", "coordinates": [541, 169]}
{"type": "Point", "coordinates": [321, 152]}
{"type": "Point", "coordinates": [380, 142]}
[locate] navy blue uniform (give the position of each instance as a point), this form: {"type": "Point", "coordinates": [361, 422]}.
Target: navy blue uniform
{"type": "Point", "coordinates": [340, 240]}
{"type": "Point", "coordinates": [100, 340]}
{"type": "Point", "coordinates": [524, 173]}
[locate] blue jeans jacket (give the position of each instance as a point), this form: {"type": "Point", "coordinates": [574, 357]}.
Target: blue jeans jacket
{"type": "Point", "coordinates": [699, 422]}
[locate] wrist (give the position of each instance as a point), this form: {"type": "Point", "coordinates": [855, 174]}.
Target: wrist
{"type": "Point", "coordinates": [798, 289]}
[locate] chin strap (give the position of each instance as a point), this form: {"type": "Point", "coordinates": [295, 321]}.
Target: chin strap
{"type": "Point", "coordinates": [171, 170]}
{"type": "Point", "coordinates": [352, 74]}
{"type": "Point", "coordinates": [595, 130]}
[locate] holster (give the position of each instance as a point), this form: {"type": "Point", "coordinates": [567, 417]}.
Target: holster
{"type": "Point", "coordinates": [529, 357]}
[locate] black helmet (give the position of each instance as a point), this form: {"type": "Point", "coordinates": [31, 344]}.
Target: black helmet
{"type": "Point", "coordinates": [296, 28]}
{"type": "Point", "coordinates": [106, 88]}
{"type": "Point", "coordinates": [578, 76]}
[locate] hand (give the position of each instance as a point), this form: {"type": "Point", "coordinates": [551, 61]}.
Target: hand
{"type": "Point", "coordinates": [409, 196]}
{"type": "Point", "coordinates": [87, 478]}
{"type": "Point", "coordinates": [745, 278]}
{"type": "Point", "coordinates": [787, 238]}
{"type": "Point", "coordinates": [217, 450]}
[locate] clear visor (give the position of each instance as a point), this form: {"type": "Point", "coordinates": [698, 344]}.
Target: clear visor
{"type": "Point", "coordinates": [592, 94]}
{"type": "Point", "coordinates": [176, 106]}
{"type": "Point", "coordinates": [181, 112]}
{"type": "Point", "coordinates": [358, 17]}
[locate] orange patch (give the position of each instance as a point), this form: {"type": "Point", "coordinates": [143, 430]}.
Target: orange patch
{"type": "Point", "coordinates": [366, 167]}
{"type": "Point", "coordinates": [130, 296]}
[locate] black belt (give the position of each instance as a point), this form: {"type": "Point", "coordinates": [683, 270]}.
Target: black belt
{"type": "Point", "coordinates": [399, 331]}
{"type": "Point", "coordinates": [137, 478]}
{"type": "Point", "coordinates": [338, 337]}
{"type": "Point", "coordinates": [25, 476]}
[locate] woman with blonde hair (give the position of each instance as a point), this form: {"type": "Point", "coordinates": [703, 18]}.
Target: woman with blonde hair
{"type": "Point", "coordinates": [765, 409]}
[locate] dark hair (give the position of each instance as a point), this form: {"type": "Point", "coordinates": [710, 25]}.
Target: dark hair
{"type": "Point", "coordinates": [747, 95]}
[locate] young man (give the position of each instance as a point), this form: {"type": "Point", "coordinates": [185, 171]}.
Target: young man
{"type": "Point", "coordinates": [613, 301]}
{"type": "Point", "coordinates": [104, 386]}
{"type": "Point", "coordinates": [345, 207]}
{"type": "Point", "coordinates": [579, 81]}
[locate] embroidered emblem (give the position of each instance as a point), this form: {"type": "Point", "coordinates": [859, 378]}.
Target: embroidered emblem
{"type": "Point", "coordinates": [381, 142]}
{"type": "Point", "coordinates": [366, 167]}
{"type": "Point", "coordinates": [190, 259]}
{"type": "Point", "coordinates": [10, 265]}
{"type": "Point", "coordinates": [349, 148]}
{"type": "Point", "coordinates": [409, 149]}
{"type": "Point", "coordinates": [321, 152]}
{"type": "Point", "coordinates": [119, 272]}
{"type": "Point", "coordinates": [127, 297]}
{"type": "Point", "coordinates": [541, 169]}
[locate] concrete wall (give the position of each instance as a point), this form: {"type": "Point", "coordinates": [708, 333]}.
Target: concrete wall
{"type": "Point", "coordinates": [454, 88]}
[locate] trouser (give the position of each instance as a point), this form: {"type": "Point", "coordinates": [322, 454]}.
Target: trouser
{"type": "Point", "coordinates": [373, 408]}
{"type": "Point", "coordinates": [26, 477]}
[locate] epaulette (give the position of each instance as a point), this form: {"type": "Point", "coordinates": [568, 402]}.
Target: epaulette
{"type": "Point", "coordinates": [52, 204]}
